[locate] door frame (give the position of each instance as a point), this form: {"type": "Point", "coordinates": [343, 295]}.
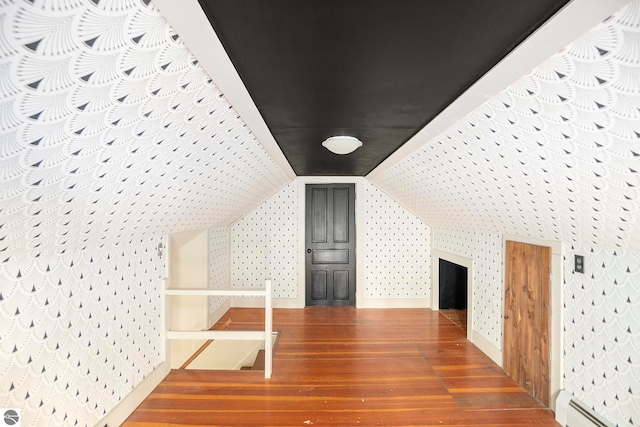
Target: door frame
{"type": "Point", "coordinates": [436, 255]}
{"type": "Point", "coordinates": [302, 182]}
{"type": "Point", "coordinates": [330, 244]}
{"type": "Point", "coordinates": [556, 323]}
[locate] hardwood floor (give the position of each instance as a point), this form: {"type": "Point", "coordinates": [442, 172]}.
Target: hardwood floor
{"type": "Point", "coordinates": [338, 366]}
{"type": "Point", "coordinates": [458, 317]}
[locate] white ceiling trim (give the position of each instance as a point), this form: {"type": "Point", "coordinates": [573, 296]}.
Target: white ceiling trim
{"type": "Point", "coordinates": [570, 23]}
{"type": "Point", "coordinates": [189, 21]}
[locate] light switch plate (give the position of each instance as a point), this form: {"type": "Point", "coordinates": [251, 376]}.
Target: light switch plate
{"type": "Point", "coordinates": [578, 264]}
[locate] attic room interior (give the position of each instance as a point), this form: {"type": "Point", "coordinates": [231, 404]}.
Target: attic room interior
{"type": "Point", "coordinates": [129, 127]}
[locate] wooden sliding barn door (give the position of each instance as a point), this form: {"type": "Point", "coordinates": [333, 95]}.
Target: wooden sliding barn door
{"type": "Point", "coordinates": [526, 356]}
{"type": "Point", "coordinates": [330, 244]}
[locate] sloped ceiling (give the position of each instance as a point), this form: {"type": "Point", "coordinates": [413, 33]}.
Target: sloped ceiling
{"type": "Point", "coordinates": [111, 130]}
{"type": "Point", "coordinates": [378, 70]}
{"type": "Point", "coordinates": [556, 155]}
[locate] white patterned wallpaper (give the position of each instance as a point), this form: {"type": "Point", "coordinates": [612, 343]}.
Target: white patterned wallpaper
{"type": "Point", "coordinates": [110, 134]}
{"type": "Point", "coordinates": [396, 254]}
{"type": "Point", "coordinates": [602, 338]}
{"type": "Point", "coordinates": [397, 248]}
{"type": "Point", "coordinates": [79, 331]}
{"type": "Point", "coordinates": [218, 264]}
{"type": "Point", "coordinates": [264, 245]}
{"type": "Point", "coordinates": [485, 248]}
{"type": "Point", "coordinates": [554, 156]}
{"type": "Point", "coordinates": [109, 128]}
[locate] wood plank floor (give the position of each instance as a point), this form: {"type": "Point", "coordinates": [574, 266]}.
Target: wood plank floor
{"type": "Point", "coordinates": [458, 317]}
{"type": "Point", "coordinates": [338, 366]}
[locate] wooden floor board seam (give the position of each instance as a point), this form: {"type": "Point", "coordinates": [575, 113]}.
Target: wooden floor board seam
{"type": "Point", "coordinates": [336, 366]}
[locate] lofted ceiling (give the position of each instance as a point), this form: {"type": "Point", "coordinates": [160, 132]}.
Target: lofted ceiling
{"type": "Point", "coordinates": [141, 126]}
{"type": "Point", "coordinates": [117, 128]}
{"type": "Point", "coordinates": [377, 70]}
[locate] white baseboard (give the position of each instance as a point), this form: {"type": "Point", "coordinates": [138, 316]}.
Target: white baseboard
{"type": "Point", "coordinates": [562, 404]}
{"type": "Point", "coordinates": [285, 303]}
{"type": "Point", "coordinates": [243, 302]}
{"type": "Point", "coordinates": [487, 348]}
{"type": "Point", "coordinates": [219, 312]}
{"type": "Point", "coordinates": [394, 303]}
{"type": "Point", "coordinates": [365, 303]}
{"type": "Point", "coordinates": [131, 401]}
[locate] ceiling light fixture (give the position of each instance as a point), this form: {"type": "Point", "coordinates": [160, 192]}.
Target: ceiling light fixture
{"type": "Point", "coordinates": [342, 144]}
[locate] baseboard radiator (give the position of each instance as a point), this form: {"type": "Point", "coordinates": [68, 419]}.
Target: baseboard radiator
{"type": "Point", "coordinates": [570, 412]}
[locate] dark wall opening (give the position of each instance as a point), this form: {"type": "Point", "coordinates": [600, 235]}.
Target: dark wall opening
{"type": "Point", "coordinates": [452, 285]}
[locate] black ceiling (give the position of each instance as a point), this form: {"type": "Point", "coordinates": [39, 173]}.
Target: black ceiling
{"type": "Point", "coordinates": [378, 70]}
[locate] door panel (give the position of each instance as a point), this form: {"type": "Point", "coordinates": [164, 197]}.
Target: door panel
{"type": "Point", "coordinates": [319, 215]}
{"type": "Point", "coordinates": [330, 244]}
{"type": "Point", "coordinates": [318, 285]}
{"type": "Point", "coordinates": [527, 316]}
{"type": "Point", "coordinates": [330, 256]}
{"type": "Point", "coordinates": [340, 285]}
{"type": "Point", "coordinates": [341, 215]}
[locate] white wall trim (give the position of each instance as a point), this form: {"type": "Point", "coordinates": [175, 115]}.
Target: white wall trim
{"type": "Point", "coordinates": [557, 275]}
{"type": "Point", "coordinates": [131, 401]}
{"type": "Point", "coordinates": [571, 22]}
{"type": "Point", "coordinates": [394, 303]}
{"type": "Point", "coordinates": [165, 321]}
{"type": "Point", "coordinates": [242, 302]}
{"type": "Point", "coordinates": [302, 182]}
{"type": "Point", "coordinates": [285, 302]}
{"type": "Point", "coordinates": [487, 348]}
{"type": "Point", "coordinates": [219, 312]}
{"type": "Point", "coordinates": [435, 285]}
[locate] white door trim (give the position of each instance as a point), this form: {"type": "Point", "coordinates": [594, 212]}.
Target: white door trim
{"type": "Point", "coordinates": [435, 283]}
{"type": "Point", "coordinates": [302, 182]}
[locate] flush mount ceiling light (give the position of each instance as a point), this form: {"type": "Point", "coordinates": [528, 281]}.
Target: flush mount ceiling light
{"type": "Point", "coordinates": [342, 144]}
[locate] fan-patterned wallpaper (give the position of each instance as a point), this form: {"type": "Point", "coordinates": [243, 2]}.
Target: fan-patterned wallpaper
{"type": "Point", "coordinates": [556, 155]}
{"type": "Point", "coordinates": [109, 128]}
{"type": "Point", "coordinates": [602, 332]}
{"type": "Point", "coordinates": [79, 331]}
{"type": "Point", "coordinates": [111, 137]}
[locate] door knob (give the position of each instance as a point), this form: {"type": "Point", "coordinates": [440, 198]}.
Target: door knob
{"type": "Point", "coordinates": [506, 317]}
{"type": "Point", "coordinates": [308, 251]}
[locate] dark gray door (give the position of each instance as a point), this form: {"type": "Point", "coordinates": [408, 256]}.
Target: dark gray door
{"type": "Point", "coordinates": [331, 244]}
